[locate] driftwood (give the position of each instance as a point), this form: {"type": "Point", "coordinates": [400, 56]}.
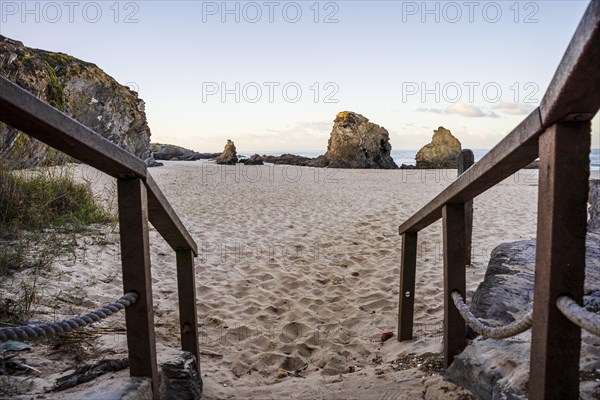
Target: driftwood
{"type": "Point", "coordinates": [88, 373]}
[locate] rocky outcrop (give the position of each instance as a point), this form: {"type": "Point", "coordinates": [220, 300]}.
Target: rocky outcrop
{"type": "Point", "coordinates": [493, 369]}
{"type": "Point", "coordinates": [499, 369]}
{"type": "Point", "coordinates": [506, 292]}
{"type": "Point", "coordinates": [151, 162]}
{"type": "Point", "coordinates": [170, 152]}
{"type": "Point", "coordinates": [229, 154]}
{"type": "Point", "coordinates": [288, 159]}
{"type": "Point", "coordinates": [356, 143]}
{"type": "Point", "coordinates": [283, 159]}
{"type": "Point", "coordinates": [254, 160]}
{"type": "Point", "coordinates": [442, 152]}
{"type": "Point", "coordinates": [77, 88]}
{"type": "Point", "coordinates": [594, 200]}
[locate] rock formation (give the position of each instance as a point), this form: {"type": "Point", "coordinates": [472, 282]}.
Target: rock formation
{"type": "Point", "coordinates": [229, 154]}
{"type": "Point", "coordinates": [356, 143]}
{"type": "Point", "coordinates": [254, 160]}
{"type": "Point", "coordinates": [170, 152]}
{"type": "Point", "coordinates": [288, 159]}
{"type": "Point", "coordinates": [77, 88]}
{"type": "Point", "coordinates": [499, 369]}
{"type": "Point", "coordinates": [151, 162]}
{"type": "Point", "coordinates": [181, 379]}
{"type": "Point", "coordinates": [283, 159]}
{"type": "Point", "coordinates": [442, 152]}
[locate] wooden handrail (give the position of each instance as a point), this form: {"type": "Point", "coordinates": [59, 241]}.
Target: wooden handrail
{"type": "Point", "coordinates": [140, 200]}
{"type": "Point", "coordinates": [22, 110]}
{"type": "Point", "coordinates": [165, 220]}
{"type": "Point", "coordinates": [559, 133]}
{"type": "Point", "coordinates": [576, 73]}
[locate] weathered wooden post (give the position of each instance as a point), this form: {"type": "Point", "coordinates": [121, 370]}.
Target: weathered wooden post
{"type": "Point", "coordinates": [465, 160]}
{"type": "Point", "coordinates": [186, 285]}
{"type": "Point", "coordinates": [560, 259]}
{"type": "Point", "coordinates": [453, 216]}
{"type": "Point", "coordinates": [406, 302]}
{"type": "Point", "coordinates": [135, 258]}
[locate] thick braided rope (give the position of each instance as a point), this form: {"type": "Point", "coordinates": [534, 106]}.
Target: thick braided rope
{"type": "Point", "coordinates": [579, 315]}
{"type": "Point", "coordinates": [68, 325]}
{"type": "Point", "coordinates": [500, 332]}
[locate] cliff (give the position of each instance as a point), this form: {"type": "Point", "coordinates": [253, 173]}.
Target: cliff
{"type": "Point", "coordinates": [80, 90]}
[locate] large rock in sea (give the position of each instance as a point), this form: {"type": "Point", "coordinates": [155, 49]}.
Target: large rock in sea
{"type": "Point", "coordinates": [80, 90]}
{"type": "Point", "coordinates": [499, 369]}
{"type": "Point", "coordinates": [356, 143]}
{"type": "Point", "coordinates": [442, 152]}
{"type": "Point", "coordinates": [229, 154]}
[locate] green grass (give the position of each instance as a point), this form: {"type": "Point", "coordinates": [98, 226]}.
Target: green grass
{"type": "Point", "coordinates": [46, 201]}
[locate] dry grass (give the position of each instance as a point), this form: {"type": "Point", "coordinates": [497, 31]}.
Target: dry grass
{"type": "Point", "coordinates": [41, 213]}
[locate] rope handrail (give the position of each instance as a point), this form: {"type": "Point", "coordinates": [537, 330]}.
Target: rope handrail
{"type": "Point", "coordinates": [68, 325]}
{"type": "Point", "coordinates": [500, 332]}
{"type": "Point", "coordinates": [578, 315]}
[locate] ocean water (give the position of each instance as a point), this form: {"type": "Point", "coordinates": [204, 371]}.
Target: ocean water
{"type": "Point", "coordinates": [408, 156]}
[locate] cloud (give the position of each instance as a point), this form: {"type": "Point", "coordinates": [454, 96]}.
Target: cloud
{"type": "Point", "coordinates": [303, 128]}
{"type": "Point", "coordinates": [293, 136]}
{"type": "Point", "coordinates": [431, 110]}
{"type": "Point", "coordinates": [514, 108]}
{"type": "Point", "coordinates": [464, 110]}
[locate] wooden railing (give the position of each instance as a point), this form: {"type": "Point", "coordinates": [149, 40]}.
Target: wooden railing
{"type": "Point", "coordinates": [140, 200]}
{"type": "Point", "coordinates": [558, 132]}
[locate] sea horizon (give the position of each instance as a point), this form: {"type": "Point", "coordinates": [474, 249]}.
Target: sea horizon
{"type": "Point", "coordinates": [400, 156]}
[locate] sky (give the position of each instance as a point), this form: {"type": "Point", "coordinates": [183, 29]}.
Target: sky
{"type": "Point", "coordinates": [272, 75]}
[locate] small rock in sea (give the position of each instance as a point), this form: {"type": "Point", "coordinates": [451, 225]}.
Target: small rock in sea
{"type": "Point", "coordinates": [254, 160]}
{"type": "Point", "coordinates": [386, 336]}
{"type": "Point", "coordinates": [229, 154]}
{"type": "Point", "coordinates": [407, 166]}
{"type": "Point", "coordinates": [151, 162]}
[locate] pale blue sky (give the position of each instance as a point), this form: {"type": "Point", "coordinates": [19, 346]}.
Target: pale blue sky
{"type": "Point", "coordinates": [387, 60]}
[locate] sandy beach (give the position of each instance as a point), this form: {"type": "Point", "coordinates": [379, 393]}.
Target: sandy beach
{"type": "Point", "coordinates": [298, 272]}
